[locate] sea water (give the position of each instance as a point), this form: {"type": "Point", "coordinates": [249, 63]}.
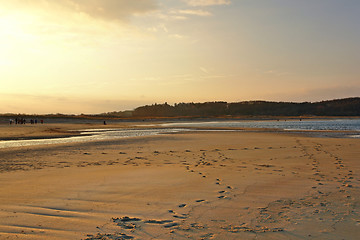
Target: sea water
{"type": "Point", "coordinates": [309, 125]}
{"type": "Point", "coordinates": [350, 126]}
{"type": "Point", "coordinates": [90, 135]}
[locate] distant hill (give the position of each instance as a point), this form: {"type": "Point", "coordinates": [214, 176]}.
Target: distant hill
{"type": "Point", "coordinates": [337, 107]}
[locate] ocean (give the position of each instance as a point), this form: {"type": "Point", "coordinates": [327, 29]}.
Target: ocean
{"type": "Point", "coordinates": [348, 128]}
{"type": "Point", "coordinates": [305, 125]}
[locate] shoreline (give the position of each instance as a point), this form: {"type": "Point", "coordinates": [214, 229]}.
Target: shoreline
{"type": "Point", "coordinates": [159, 120]}
{"type": "Point", "coordinates": [68, 130]}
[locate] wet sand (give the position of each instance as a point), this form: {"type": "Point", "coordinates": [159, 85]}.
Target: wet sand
{"type": "Point", "coordinates": [195, 185]}
{"type": "Point", "coordinates": [43, 131]}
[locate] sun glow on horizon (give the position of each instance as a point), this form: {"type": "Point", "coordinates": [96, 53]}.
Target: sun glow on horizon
{"type": "Point", "coordinates": [78, 56]}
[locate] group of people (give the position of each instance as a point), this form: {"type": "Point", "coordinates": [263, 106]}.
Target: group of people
{"type": "Point", "coordinates": [23, 121]}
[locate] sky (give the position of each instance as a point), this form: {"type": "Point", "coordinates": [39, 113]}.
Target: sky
{"type": "Point", "coordinates": [95, 56]}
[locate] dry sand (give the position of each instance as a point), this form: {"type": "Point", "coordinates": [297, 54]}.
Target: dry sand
{"type": "Point", "coordinates": [200, 185]}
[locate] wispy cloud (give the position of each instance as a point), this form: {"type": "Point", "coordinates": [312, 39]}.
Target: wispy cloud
{"type": "Point", "coordinates": [70, 23]}
{"type": "Point", "coordinates": [182, 14]}
{"type": "Point", "coordinates": [158, 28]}
{"type": "Point", "coordinates": [173, 15]}
{"type": "Point", "coordinates": [196, 3]}
{"type": "Point", "coordinates": [277, 73]}
{"type": "Point", "coordinates": [177, 36]}
{"type": "Point", "coordinates": [204, 70]}
{"type": "Point", "coordinates": [110, 9]}
{"type": "Point", "coordinates": [106, 10]}
{"type": "Point", "coordinates": [193, 12]}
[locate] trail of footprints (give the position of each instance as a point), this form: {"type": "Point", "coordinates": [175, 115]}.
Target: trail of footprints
{"type": "Point", "coordinates": [323, 202]}
{"type": "Point", "coordinates": [108, 157]}
{"type": "Point", "coordinates": [178, 221]}
{"type": "Point", "coordinates": [195, 162]}
{"type": "Point", "coordinates": [342, 175]}
{"type": "Point", "coordinates": [134, 227]}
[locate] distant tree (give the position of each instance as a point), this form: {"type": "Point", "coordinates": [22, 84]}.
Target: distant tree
{"type": "Point", "coordinates": [339, 107]}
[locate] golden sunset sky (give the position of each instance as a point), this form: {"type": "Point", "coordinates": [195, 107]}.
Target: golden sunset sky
{"type": "Point", "coordinates": [93, 56]}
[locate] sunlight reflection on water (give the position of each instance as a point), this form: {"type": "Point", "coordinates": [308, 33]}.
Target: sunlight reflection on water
{"type": "Point", "coordinates": [331, 125]}
{"type": "Point", "coordinates": [90, 135]}
{"type": "Point", "coordinates": [351, 125]}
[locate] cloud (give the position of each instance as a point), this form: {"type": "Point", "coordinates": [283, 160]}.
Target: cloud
{"type": "Point", "coordinates": [98, 9]}
{"type": "Point", "coordinates": [110, 9]}
{"type": "Point", "coordinates": [196, 3]}
{"type": "Point", "coordinates": [172, 16]}
{"type": "Point", "coordinates": [177, 36]}
{"type": "Point", "coordinates": [199, 12]}
{"type": "Point", "coordinates": [277, 73]}
{"type": "Point", "coordinates": [183, 14]}
{"type": "Point", "coordinates": [204, 70]}
{"type": "Point", "coordinates": [67, 24]}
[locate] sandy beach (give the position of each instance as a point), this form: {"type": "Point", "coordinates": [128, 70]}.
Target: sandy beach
{"type": "Point", "coordinates": [193, 185]}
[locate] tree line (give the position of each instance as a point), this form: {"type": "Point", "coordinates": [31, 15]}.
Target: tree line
{"type": "Point", "coordinates": [337, 107]}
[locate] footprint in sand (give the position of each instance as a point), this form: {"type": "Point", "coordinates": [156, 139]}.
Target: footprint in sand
{"type": "Point", "coordinates": [183, 216]}
{"type": "Point", "coordinates": [169, 225]}
{"type": "Point", "coordinates": [126, 222]}
{"type": "Point", "coordinates": [153, 221]}
{"type": "Point", "coordinates": [109, 236]}
{"type": "Point", "coordinates": [222, 197]}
